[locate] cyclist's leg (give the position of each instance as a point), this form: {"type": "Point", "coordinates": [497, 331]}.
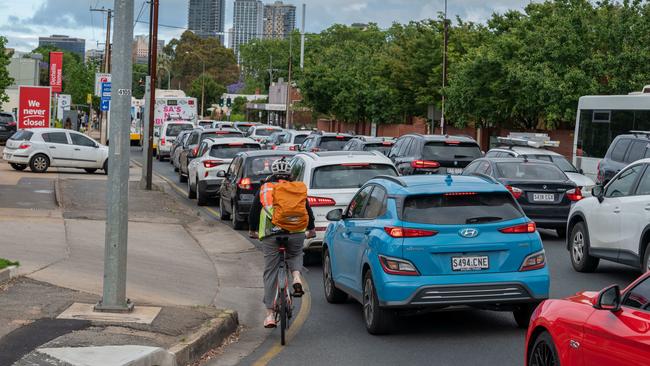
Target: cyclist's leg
{"type": "Point", "coordinates": [271, 269]}
{"type": "Point", "coordinates": [295, 261]}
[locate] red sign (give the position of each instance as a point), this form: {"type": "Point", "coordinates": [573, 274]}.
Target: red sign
{"type": "Point", "coordinates": [34, 107]}
{"type": "Point", "coordinates": [56, 71]}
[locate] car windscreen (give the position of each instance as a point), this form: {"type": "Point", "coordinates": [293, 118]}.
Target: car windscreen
{"type": "Point", "coordinates": [205, 123]}
{"type": "Point", "coordinates": [174, 129]}
{"type": "Point", "coordinates": [265, 131]}
{"type": "Point", "coordinates": [299, 139]}
{"type": "Point", "coordinates": [334, 143]}
{"type": "Point", "coordinates": [460, 209]}
{"type": "Point", "coordinates": [231, 150]}
{"type": "Point", "coordinates": [21, 135]}
{"type": "Point", "coordinates": [6, 118]}
{"type": "Point", "coordinates": [439, 150]}
{"type": "Point", "coordinates": [352, 175]}
{"type": "Point", "coordinates": [258, 168]}
{"type": "Point", "coordinates": [564, 164]}
{"type": "Point", "coordinates": [384, 149]}
{"type": "Point", "coordinates": [530, 171]}
{"type": "Point", "coordinates": [243, 126]}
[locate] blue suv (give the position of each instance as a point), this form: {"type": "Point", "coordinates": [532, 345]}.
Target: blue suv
{"type": "Point", "coordinates": [430, 242]}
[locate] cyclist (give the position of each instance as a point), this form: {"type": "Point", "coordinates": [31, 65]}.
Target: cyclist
{"type": "Point", "coordinates": [260, 219]}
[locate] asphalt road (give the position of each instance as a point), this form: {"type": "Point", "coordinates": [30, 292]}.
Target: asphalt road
{"type": "Point", "coordinates": [335, 334]}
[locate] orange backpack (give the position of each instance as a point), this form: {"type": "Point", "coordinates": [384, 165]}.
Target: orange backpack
{"type": "Point", "coordinates": [289, 206]}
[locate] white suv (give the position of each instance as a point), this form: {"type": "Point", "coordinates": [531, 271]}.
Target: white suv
{"type": "Point", "coordinates": [165, 136]}
{"type": "Point", "coordinates": [332, 179]}
{"type": "Point", "coordinates": [41, 148]}
{"type": "Point", "coordinates": [614, 224]}
{"type": "Point", "coordinates": [214, 155]}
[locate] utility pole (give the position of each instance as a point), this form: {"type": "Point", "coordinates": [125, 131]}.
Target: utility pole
{"type": "Point", "coordinates": [106, 65]}
{"type": "Point", "coordinates": [117, 217]}
{"type": "Point", "coordinates": [287, 120]}
{"type": "Point", "coordinates": [444, 69]}
{"type": "Point", "coordinates": [153, 56]}
{"type": "Point", "coordinates": [302, 38]}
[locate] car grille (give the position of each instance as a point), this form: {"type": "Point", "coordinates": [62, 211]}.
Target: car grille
{"type": "Point", "coordinates": [450, 295]}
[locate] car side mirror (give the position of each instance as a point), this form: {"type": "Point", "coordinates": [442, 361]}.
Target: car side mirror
{"type": "Point", "coordinates": [598, 191]}
{"type": "Point", "coordinates": [581, 171]}
{"type": "Point", "coordinates": [96, 146]}
{"type": "Point", "coordinates": [221, 174]}
{"type": "Point", "coordinates": [335, 215]}
{"type": "Point", "coordinates": [609, 299]}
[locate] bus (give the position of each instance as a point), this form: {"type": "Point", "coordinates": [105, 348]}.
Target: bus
{"type": "Point", "coordinates": [600, 118]}
{"type": "Point", "coordinates": [137, 113]}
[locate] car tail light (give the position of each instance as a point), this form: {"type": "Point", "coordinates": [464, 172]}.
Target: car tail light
{"type": "Point", "coordinates": [24, 146]}
{"type": "Point", "coordinates": [387, 143]}
{"type": "Point", "coordinates": [526, 228]}
{"type": "Point", "coordinates": [574, 194]}
{"type": "Point", "coordinates": [320, 201]}
{"type": "Point", "coordinates": [534, 261]}
{"type": "Point", "coordinates": [195, 151]}
{"type": "Point", "coordinates": [244, 183]}
{"type": "Point", "coordinates": [321, 228]}
{"type": "Point", "coordinates": [162, 141]}
{"type": "Point", "coordinates": [419, 164]}
{"type": "Point", "coordinates": [293, 148]}
{"type": "Point", "coordinates": [403, 232]}
{"type": "Point", "coordinates": [340, 137]}
{"type": "Point", "coordinates": [212, 163]}
{"type": "Point", "coordinates": [275, 147]}
{"type": "Point", "coordinates": [11, 124]}
{"type": "Point", "coordinates": [236, 144]}
{"type": "Point", "coordinates": [516, 192]}
{"type": "Point", "coordinates": [399, 267]}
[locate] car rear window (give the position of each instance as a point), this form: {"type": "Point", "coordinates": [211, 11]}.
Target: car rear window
{"type": "Point", "coordinates": [6, 118]}
{"type": "Point", "coordinates": [348, 175]}
{"type": "Point", "coordinates": [244, 127]}
{"type": "Point", "coordinates": [530, 171]}
{"type": "Point", "coordinates": [205, 124]}
{"type": "Point", "coordinates": [22, 135]}
{"type": "Point", "coordinates": [174, 129]}
{"type": "Point", "coordinates": [258, 168]}
{"type": "Point", "coordinates": [265, 131]}
{"type": "Point", "coordinates": [231, 150]}
{"type": "Point", "coordinates": [446, 151]}
{"type": "Point", "coordinates": [299, 139]}
{"type": "Point", "coordinates": [334, 143]}
{"type": "Point", "coordinates": [460, 209]}
{"type": "Point", "coordinates": [384, 149]}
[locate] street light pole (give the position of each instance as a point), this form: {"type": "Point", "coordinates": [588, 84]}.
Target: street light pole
{"type": "Point", "coordinates": [444, 70]}
{"type": "Point", "coordinates": [203, 90]}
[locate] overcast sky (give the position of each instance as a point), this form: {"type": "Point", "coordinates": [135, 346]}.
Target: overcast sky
{"type": "Point", "coordinates": [23, 21]}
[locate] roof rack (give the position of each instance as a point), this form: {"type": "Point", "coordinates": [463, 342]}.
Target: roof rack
{"type": "Point", "coordinates": [392, 179]}
{"type": "Point", "coordinates": [486, 177]}
{"type": "Point", "coordinates": [536, 140]}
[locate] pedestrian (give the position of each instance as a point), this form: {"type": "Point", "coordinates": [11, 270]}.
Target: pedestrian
{"type": "Point", "coordinates": [68, 124]}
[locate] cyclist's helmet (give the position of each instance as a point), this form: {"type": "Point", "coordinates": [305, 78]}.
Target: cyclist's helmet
{"type": "Point", "coordinates": [281, 167]}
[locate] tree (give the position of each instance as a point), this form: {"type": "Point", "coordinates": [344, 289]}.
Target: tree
{"type": "Point", "coordinates": [239, 105]}
{"type": "Point", "coordinates": [139, 80]}
{"type": "Point", "coordinates": [5, 80]}
{"type": "Point", "coordinates": [213, 91]}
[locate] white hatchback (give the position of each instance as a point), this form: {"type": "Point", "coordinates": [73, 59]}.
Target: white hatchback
{"type": "Point", "coordinates": [165, 136]}
{"type": "Point", "coordinates": [332, 179]}
{"type": "Point", "coordinates": [214, 155]}
{"type": "Point", "coordinates": [41, 148]}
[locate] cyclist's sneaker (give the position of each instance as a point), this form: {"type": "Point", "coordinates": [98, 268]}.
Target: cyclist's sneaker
{"type": "Point", "coordinates": [269, 322]}
{"type": "Point", "coordinates": [297, 290]}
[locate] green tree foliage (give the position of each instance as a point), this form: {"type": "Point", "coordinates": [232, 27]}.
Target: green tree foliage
{"type": "Point", "coordinates": [239, 105]}
{"type": "Point", "coordinates": [5, 80]}
{"type": "Point", "coordinates": [213, 91]}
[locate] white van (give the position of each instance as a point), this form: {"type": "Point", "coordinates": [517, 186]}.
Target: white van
{"type": "Point", "coordinates": [164, 137]}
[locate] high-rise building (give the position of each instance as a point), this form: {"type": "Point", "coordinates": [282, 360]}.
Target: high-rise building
{"type": "Point", "coordinates": [248, 21]}
{"type": "Point", "coordinates": [140, 51]}
{"type": "Point", "coordinates": [96, 56]}
{"type": "Point", "coordinates": [206, 18]}
{"type": "Point", "coordinates": [279, 20]}
{"type": "Point", "coordinates": [75, 45]}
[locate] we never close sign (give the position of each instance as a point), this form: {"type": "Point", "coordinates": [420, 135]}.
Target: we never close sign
{"type": "Point", "coordinates": [34, 107]}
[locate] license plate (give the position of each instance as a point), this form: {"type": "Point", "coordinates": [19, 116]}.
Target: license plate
{"type": "Point", "coordinates": [473, 263]}
{"type": "Point", "coordinates": [543, 197]}
{"type": "Point", "coordinates": [454, 170]}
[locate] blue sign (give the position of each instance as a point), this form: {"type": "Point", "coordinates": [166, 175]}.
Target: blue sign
{"type": "Point", "coordinates": [106, 90]}
{"type": "Point", "coordinates": [105, 105]}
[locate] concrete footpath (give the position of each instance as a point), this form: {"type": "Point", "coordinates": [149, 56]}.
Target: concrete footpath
{"type": "Point", "coordinates": [185, 266]}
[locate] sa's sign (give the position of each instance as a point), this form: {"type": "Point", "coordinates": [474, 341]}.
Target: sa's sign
{"type": "Point", "coordinates": [34, 107]}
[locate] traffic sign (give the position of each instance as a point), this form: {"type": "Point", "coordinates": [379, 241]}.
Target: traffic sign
{"type": "Point", "coordinates": [105, 105]}
{"type": "Point", "coordinates": [106, 90]}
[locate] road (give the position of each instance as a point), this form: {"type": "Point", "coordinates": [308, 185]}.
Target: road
{"type": "Point", "coordinates": [335, 334]}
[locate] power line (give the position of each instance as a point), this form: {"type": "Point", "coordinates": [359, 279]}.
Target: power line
{"type": "Point", "coordinates": [139, 13]}
{"type": "Point", "coordinates": [229, 32]}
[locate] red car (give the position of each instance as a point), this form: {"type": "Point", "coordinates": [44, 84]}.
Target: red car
{"type": "Point", "coordinates": [605, 328]}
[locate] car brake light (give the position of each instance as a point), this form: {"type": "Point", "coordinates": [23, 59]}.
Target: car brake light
{"type": "Point", "coordinates": [275, 147]}
{"type": "Point", "coordinates": [516, 192]}
{"type": "Point", "coordinates": [387, 143]}
{"type": "Point", "coordinates": [11, 124]}
{"type": "Point", "coordinates": [574, 194]}
{"type": "Point", "coordinates": [340, 137]}
{"type": "Point", "coordinates": [418, 164]}
{"type": "Point", "coordinates": [212, 163]}
{"type": "Point", "coordinates": [355, 164]}
{"type": "Point", "coordinates": [527, 228]}
{"type": "Point", "coordinates": [403, 232]}
{"type": "Point", "coordinates": [460, 194]}
{"type": "Point", "coordinates": [293, 148]}
{"type": "Point", "coordinates": [396, 266]}
{"type": "Point", "coordinates": [320, 201]}
{"type": "Point", "coordinates": [24, 146]}
{"type": "Point", "coordinates": [452, 142]}
{"type": "Point", "coordinates": [534, 261]}
{"type": "Point", "coordinates": [195, 151]}
{"type": "Point", "coordinates": [162, 141]}
{"type": "Point", "coordinates": [244, 183]}
{"type": "Point", "coordinates": [236, 144]}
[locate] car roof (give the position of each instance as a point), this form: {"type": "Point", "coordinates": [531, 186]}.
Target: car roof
{"type": "Point", "coordinates": [432, 184]}
{"type": "Point", "coordinates": [338, 157]}
{"type": "Point", "coordinates": [526, 150]}
{"type": "Point", "coordinates": [262, 153]}
{"type": "Point", "coordinates": [227, 129]}
{"type": "Point", "coordinates": [329, 134]}
{"type": "Point", "coordinates": [517, 160]}
{"type": "Point", "coordinates": [230, 140]}
{"type": "Point", "coordinates": [443, 137]}
{"type": "Point", "coordinates": [178, 122]}
{"type": "Point", "coordinates": [638, 136]}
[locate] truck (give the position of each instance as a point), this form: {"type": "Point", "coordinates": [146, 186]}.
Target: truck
{"type": "Point", "coordinates": [172, 105]}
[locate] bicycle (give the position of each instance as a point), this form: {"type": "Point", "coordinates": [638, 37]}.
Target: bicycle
{"type": "Point", "coordinates": [283, 304]}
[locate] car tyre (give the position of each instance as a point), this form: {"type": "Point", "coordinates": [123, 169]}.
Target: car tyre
{"type": "Point", "coordinates": [646, 259]}
{"type": "Point", "coordinates": [39, 163]}
{"type": "Point", "coordinates": [90, 170]}
{"type": "Point", "coordinates": [523, 313]}
{"type": "Point", "coordinates": [223, 215]}
{"type": "Point", "coordinates": [332, 294]}
{"type": "Point", "coordinates": [191, 192]}
{"type": "Point", "coordinates": [105, 167]}
{"type": "Point", "coordinates": [201, 198]}
{"type": "Point", "coordinates": [579, 250]}
{"type": "Point", "coordinates": [181, 177]}
{"type": "Point", "coordinates": [378, 320]}
{"type": "Point", "coordinates": [543, 351]}
{"type": "Point", "coordinates": [18, 167]}
{"type": "Point", "coordinates": [236, 223]}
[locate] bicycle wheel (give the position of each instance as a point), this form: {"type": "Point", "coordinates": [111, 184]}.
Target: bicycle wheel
{"type": "Point", "coordinates": [283, 317]}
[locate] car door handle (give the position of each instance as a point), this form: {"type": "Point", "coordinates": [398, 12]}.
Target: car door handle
{"type": "Point", "coordinates": [77, 149]}
{"type": "Point", "coordinates": [617, 210]}
{"type": "Point", "coordinates": [52, 147]}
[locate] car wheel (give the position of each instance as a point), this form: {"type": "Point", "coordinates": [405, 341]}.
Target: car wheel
{"type": "Point", "coordinates": [201, 198]}
{"type": "Point", "coordinates": [236, 223]}
{"type": "Point", "coordinates": [579, 247]}
{"type": "Point", "coordinates": [561, 232]}
{"type": "Point", "coordinates": [377, 319]}
{"type": "Point", "coordinates": [105, 167]}
{"type": "Point", "coordinates": [543, 352]}
{"type": "Point", "coordinates": [39, 163]}
{"type": "Point", "coordinates": [332, 294]}
{"type": "Point", "coordinates": [646, 259]}
{"type": "Point", "coordinates": [223, 215]}
{"type": "Point", "coordinates": [90, 170]}
{"type": "Point", "coordinates": [181, 177]}
{"type": "Point", "coordinates": [191, 193]}
{"type": "Point", "coordinates": [18, 167]}
{"type": "Point", "coordinates": [522, 314]}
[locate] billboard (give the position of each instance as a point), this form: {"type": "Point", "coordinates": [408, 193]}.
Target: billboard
{"type": "Point", "coordinates": [34, 107]}
{"type": "Point", "coordinates": [64, 103]}
{"type": "Point", "coordinates": [99, 79]}
{"type": "Point", "coordinates": [56, 71]}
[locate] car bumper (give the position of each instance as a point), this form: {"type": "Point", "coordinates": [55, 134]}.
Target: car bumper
{"type": "Point", "coordinates": [474, 289]}
{"type": "Point", "coordinates": [316, 244]}
{"type": "Point", "coordinates": [549, 217]}
{"type": "Point", "coordinates": [164, 151]}
{"type": "Point", "coordinates": [15, 158]}
{"type": "Point", "coordinates": [210, 187]}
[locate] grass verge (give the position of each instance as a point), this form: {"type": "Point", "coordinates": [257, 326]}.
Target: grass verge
{"type": "Point", "coordinates": [4, 263]}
